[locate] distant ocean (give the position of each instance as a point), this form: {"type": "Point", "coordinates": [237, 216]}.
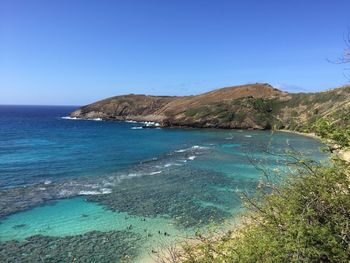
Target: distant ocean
{"type": "Point", "coordinates": [76, 183]}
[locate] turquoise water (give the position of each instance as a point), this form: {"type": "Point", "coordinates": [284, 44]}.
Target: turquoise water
{"type": "Point", "coordinates": [63, 179]}
{"type": "Point", "coordinates": [76, 216]}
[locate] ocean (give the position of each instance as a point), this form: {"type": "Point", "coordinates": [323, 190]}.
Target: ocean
{"type": "Point", "coordinates": [101, 191]}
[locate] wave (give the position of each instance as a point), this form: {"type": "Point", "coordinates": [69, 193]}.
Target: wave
{"type": "Point", "coordinates": [194, 147]}
{"type": "Point", "coordinates": [152, 166]}
{"type": "Point", "coordinates": [134, 175]}
{"type": "Point", "coordinates": [131, 121]}
{"type": "Point", "coordinates": [70, 118]}
{"type": "Point", "coordinates": [49, 189]}
{"type": "Point", "coordinates": [136, 128]}
{"type": "Point", "coordinates": [199, 147]}
{"type": "Point", "coordinates": [181, 150]}
{"type": "Point", "coordinates": [151, 123]}
{"type": "Point", "coordinates": [145, 123]}
{"type": "Point", "coordinates": [47, 182]}
{"type": "Point", "coordinates": [76, 118]}
{"type": "Point", "coordinates": [156, 172]}
{"type": "Point", "coordinates": [101, 192]}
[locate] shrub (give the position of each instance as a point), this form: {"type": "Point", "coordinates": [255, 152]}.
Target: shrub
{"type": "Point", "coordinates": [306, 219]}
{"type": "Point", "coordinates": [200, 112]}
{"type": "Point", "coordinates": [227, 116]}
{"type": "Point", "coordinates": [333, 131]}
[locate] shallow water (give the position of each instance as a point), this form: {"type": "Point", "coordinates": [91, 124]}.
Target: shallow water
{"type": "Point", "coordinates": [76, 216]}
{"type": "Point", "coordinates": [64, 179]}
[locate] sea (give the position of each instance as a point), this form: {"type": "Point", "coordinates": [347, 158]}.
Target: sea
{"type": "Point", "coordinates": [76, 190]}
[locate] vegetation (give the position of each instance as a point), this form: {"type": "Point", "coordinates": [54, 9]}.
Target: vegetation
{"type": "Point", "coordinates": [201, 111]}
{"type": "Point", "coordinates": [306, 219]}
{"type": "Point", "coordinates": [300, 217]}
{"type": "Point", "coordinates": [333, 131]}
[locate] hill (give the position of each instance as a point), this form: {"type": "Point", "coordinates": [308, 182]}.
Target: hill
{"type": "Point", "coordinates": [252, 106]}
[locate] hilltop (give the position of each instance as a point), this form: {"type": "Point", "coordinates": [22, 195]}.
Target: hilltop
{"type": "Point", "coordinates": [251, 106]}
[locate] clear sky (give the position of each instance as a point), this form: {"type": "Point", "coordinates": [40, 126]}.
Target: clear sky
{"type": "Point", "coordinates": [73, 52]}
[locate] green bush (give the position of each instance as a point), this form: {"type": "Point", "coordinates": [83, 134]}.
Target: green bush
{"type": "Point", "coordinates": [226, 116]}
{"type": "Point", "coordinates": [306, 219]}
{"type": "Point", "coordinates": [200, 112]}
{"type": "Point", "coordinates": [333, 131]}
{"type": "Point", "coordinates": [240, 116]}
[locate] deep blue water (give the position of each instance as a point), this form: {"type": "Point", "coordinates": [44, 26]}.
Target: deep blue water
{"type": "Point", "coordinates": [37, 144]}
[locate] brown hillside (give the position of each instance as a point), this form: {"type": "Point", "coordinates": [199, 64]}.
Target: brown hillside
{"type": "Point", "coordinates": [257, 106]}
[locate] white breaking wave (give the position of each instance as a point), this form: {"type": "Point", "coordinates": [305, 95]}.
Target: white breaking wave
{"type": "Point", "coordinates": [248, 136]}
{"type": "Point", "coordinates": [101, 192]}
{"type": "Point", "coordinates": [89, 193]}
{"type": "Point", "coordinates": [145, 123]}
{"type": "Point", "coordinates": [199, 147]}
{"type": "Point", "coordinates": [70, 118]}
{"type": "Point", "coordinates": [181, 151]}
{"type": "Point", "coordinates": [136, 128]}
{"type": "Point", "coordinates": [76, 118]}
{"type": "Point", "coordinates": [151, 123]}
{"type": "Point", "coordinates": [192, 157]}
{"type": "Point", "coordinates": [194, 147]}
{"type": "Point", "coordinates": [106, 191]}
{"type": "Point", "coordinates": [157, 172]}
{"type": "Point", "coordinates": [134, 175]}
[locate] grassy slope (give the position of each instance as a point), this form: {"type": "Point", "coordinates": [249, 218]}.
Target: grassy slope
{"type": "Point", "coordinates": [298, 112]}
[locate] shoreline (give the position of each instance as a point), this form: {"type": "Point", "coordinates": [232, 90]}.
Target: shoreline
{"type": "Point", "coordinates": [343, 154]}
{"type": "Point", "coordinates": [310, 134]}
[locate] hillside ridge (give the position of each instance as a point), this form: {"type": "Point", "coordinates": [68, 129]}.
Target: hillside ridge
{"type": "Point", "coordinates": [250, 106]}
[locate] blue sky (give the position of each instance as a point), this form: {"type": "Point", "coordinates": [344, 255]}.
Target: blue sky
{"type": "Point", "coordinates": [73, 52]}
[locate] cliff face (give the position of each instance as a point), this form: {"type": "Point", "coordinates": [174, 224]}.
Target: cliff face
{"type": "Point", "coordinates": [128, 107]}
{"type": "Point", "coordinates": [256, 106]}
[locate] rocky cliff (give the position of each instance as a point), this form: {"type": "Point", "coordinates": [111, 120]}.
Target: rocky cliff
{"type": "Point", "coordinates": [255, 106]}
